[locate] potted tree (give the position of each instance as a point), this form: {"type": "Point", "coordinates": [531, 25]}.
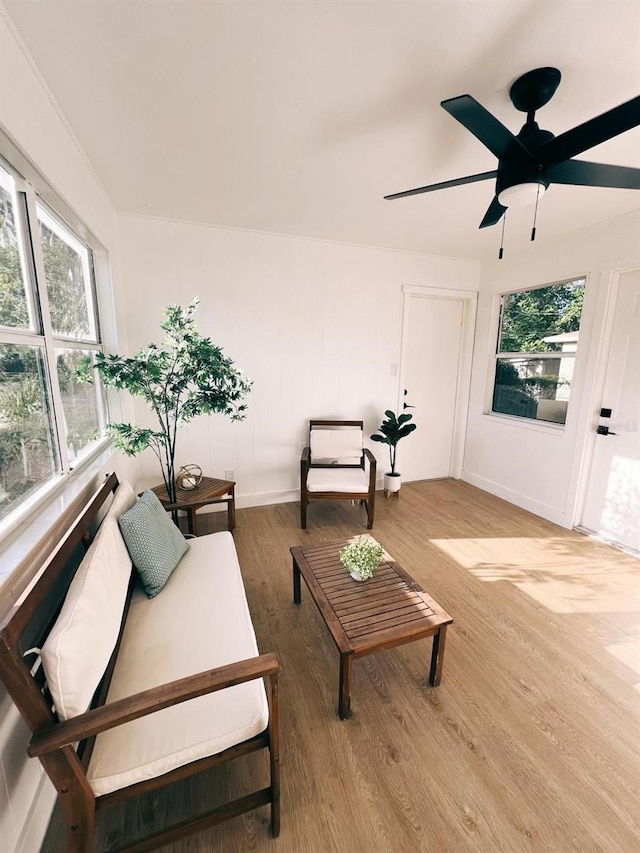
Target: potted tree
{"type": "Point", "coordinates": [393, 429]}
{"type": "Point", "coordinates": [186, 376]}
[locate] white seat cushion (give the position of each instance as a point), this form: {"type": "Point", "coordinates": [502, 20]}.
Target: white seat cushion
{"type": "Point", "coordinates": [338, 480]}
{"type": "Point", "coordinates": [199, 621]}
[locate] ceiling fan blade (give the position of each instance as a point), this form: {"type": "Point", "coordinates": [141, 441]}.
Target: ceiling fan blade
{"type": "Point", "coordinates": [484, 126]}
{"type": "Point", "coordinates": [482, 176]}
{"type": "Point", "coordinates": [591, 133]}
{"type": "Point", "coordinates": [494, 213]}
{"type": "Point", "coordinates": [586, 174]}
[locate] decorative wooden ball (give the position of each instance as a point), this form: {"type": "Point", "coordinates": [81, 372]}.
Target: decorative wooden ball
{"type": "Point", "coordinates": [189, 476]}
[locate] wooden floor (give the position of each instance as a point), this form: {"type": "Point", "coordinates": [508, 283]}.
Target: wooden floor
{"type": "Point", "coordinates": [529, 744]}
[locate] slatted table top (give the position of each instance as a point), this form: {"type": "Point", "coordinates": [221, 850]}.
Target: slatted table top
{"type": "Point", "coordinates": [389, 609]}
{"type": "Point", "coordinates": [205, 492]}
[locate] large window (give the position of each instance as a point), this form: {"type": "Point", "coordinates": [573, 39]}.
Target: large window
{"type": "Point", "coordinates": [48, 326]}
{"type": "Point", "coordinates": [537, 343]}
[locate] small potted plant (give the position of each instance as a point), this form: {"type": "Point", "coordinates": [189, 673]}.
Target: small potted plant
{"type": "Point", "coordinates": [393, 429]}
{"type": "Point", "coordinates": [361, 558]}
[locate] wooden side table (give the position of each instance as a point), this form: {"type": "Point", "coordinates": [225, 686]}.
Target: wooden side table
{"type": "Point", "coordinates": [208, 491]}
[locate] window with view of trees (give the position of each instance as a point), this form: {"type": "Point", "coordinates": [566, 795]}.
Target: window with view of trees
{"type": "Point", "coordinates": [537, 344]}
{"type": "Point", "coordinates": [48, 327]}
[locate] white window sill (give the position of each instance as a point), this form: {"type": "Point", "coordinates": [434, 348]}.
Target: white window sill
{"type": "Point", "coordinates": [24, 528]}
{"type": "Point", "coordinates": [526, 423]}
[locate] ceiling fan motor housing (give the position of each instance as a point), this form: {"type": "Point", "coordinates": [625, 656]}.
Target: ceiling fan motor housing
{"type": "Point", "coordinates": [524, 175]}
{"type": "Point", "coordinates": [511, 175]}
{"type": "Point", "coordinates": [532, 137]}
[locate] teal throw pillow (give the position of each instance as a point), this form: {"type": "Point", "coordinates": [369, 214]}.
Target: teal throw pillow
{"type": "Point", "coordinates": [155, 544]}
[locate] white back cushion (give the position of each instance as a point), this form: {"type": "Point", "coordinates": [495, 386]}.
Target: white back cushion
{"type": "Point", "coordinates": [336, 445]}
{"type": "Point", "coordinates": [77, 650]}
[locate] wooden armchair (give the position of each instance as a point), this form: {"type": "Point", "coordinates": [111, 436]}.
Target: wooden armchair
{"type": "Point", "coordinates": [334, 466]}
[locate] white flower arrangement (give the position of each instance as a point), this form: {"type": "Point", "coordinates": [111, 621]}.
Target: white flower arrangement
{"type": "Point", "coordinates": [361, 557]}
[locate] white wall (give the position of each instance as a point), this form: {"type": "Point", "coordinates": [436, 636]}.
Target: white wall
{"type": "Point", "coordinates": [30, 119]}
{"type": "Point", "coordinates": [537, 466]}
{"type": "Point", "coordinates": [316, 325]}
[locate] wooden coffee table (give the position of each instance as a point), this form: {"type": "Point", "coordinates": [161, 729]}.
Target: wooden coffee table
{"type": "Point", "coordinates": [208, 491]}
{"type": "Point", "coordinates": [389, 610]}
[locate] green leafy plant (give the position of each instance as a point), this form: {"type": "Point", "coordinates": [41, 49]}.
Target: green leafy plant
{"type": "Point", "coordinates": [393, 429]}
{"type": "Point", "coordinates": [185, 377]}
{"type": "Point", "coordinates": [23, 424]}
{"type": "Point", "coordinates": [529, 316]}
{"type": "Point", "coordinates": [361, 557]}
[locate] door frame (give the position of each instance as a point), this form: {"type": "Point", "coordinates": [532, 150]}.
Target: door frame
{"type": "Point", "coordinates": [610, 282]}
{"type": "Point", "coordinates": [469, 299]}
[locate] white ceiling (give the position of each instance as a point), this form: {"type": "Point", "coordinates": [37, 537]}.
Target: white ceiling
{"type": "Point", "coordinates": [297, 117]}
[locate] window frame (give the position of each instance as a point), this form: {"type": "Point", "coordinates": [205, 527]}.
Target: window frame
{"type": "Point", "coordinates": [36, 202]}
{"type": "Point", "coordinates": [497, 313]}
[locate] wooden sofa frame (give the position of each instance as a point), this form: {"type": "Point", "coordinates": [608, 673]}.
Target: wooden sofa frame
{"type": "Point", "coordinates": [26, 627]}
{"type": "Point", "coordinates": [306, 464]}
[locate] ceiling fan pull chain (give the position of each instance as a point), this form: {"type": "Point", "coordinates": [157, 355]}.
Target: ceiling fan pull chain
{"type": "Point", "coordinates": [501, 252]}
{"type": "Point", "coordinates": [535, 212]}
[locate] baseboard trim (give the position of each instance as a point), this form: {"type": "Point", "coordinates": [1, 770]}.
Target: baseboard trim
{"type": "Point", "coordinates": [551, 513]}
{"type": "Point", "coordinates": [606, 540]}
{"type": "Point", "coordinates": [265, 499]}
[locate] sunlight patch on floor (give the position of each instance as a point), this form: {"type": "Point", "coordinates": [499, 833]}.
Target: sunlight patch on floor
{"type": "Point", "coordinates": [564, 574]}
{"type": "Point", "coordinates": [597, 595]}
{"type": "Point", "coordinates": [628, 653]}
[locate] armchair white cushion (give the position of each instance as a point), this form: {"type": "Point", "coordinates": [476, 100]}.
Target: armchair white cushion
{"type": "Point", "coordinates": [336, 446]}
{"type": "Point", "coordinates": [338, 480]}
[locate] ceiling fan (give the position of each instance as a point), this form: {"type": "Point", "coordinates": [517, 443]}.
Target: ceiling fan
{"type": "Point", "coordinates": [531, 160]}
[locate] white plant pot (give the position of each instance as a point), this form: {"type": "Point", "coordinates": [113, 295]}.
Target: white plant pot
{"type": "Point", "coordinates": [392, 482]}
{"type": "Point", "coordinates": [356, 576]}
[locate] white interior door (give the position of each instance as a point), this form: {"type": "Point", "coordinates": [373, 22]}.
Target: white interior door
{"type": "Point", "coordinates": [612, 501]}
{"type": "Point", "coordinates": [436, 352]}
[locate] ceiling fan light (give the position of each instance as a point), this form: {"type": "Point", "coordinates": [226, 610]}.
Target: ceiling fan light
{"type": "Point", "coordinates": [519, 195]}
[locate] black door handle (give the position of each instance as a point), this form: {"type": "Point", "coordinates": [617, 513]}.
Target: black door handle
{"type": "Point", "coordinates": [604, 430]}
{"type": "Point", "coordinates": [406, 405]}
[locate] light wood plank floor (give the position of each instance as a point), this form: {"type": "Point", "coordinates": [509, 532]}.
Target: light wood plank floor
{"type": "Point", "coordinates": [529, 744]}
